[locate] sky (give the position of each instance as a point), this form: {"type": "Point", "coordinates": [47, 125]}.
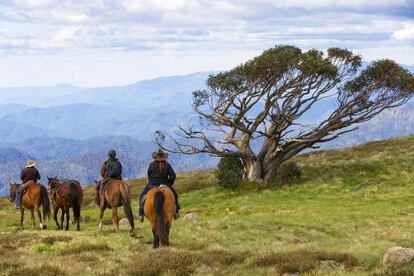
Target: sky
{"type": "Point", "coordinates": [106, 42]}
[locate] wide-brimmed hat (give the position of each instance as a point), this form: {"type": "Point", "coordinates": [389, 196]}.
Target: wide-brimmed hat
{"type": "Point", "coordinates": [30, 163]}
{"type": "Point", "coordinates": [160, 155]}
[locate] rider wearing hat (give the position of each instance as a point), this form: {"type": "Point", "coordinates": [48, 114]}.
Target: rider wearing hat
{"type": "Point", "coordinates": [159, 172]}
{"type": "Point", "coordinates": [27, 174]}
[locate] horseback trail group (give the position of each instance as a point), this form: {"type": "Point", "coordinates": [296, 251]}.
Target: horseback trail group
{"type": "Point", "coordinates": [158, 201]}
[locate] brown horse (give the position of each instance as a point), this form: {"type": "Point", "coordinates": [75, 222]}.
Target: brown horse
{"type": "Point", "coordinates": [159, 208]}
{"type": "Point", "coordinates": [32, 199]}
{"type": "Point", "coordinates": [65, 194]}
{"type": "Point", "coordinates": [116, 193]}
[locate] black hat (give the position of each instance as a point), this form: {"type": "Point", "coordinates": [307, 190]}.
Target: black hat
{"type": "Point", "coordinates": [111, 153]}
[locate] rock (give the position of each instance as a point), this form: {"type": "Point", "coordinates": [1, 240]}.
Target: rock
{"type": "Point", "coordinates": [124, 221]}
{"type": "Point", "coordinates": [245, 208]}
{"type": "Point", "coordinates": [191, 216]}
{"type": "Point", "coordinates": [204, 269]}
{"type": "Point", "coordinates": [88, 268]}
{"type": "Point", "coordinates": [330, 265]}
{"type": "Point", "coordinates": [398, 255]}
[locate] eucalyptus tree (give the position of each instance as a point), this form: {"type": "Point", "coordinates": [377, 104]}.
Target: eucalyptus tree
{"type": "Point", "coordinates": [266, 98]}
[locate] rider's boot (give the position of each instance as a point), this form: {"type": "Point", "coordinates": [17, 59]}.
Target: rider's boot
{"type": "Point", "coordinates": [141, 214]}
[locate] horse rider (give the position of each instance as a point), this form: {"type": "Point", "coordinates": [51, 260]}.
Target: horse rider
{"type": "Point", "coordinates": [111, 169]}
{"type": "Point", "coordinates": [159, 172]}
{"type": "Point", "coordinates": [28, 173]}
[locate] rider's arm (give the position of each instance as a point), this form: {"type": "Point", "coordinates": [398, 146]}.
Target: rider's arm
{"type": "Point", "coordinates": [149, 171]}
{"type": "Point", "coordinates": [38, 175]}
{"type": "Point", "coordinates": [171, 174]}
{"type": "Point", "coordinates": [22, 175]}
{"type": "Point", "coordinates": [103, 169]}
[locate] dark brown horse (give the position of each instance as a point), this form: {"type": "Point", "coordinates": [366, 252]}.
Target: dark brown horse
{"type": "Point", "coordinates": [32, 199]}
{"type": "Point", "coordinates": [159, 208]}
{"type": "Point", "coordinates": [116, 193]}
{"type": "Point", "coordinates": [66, 194]}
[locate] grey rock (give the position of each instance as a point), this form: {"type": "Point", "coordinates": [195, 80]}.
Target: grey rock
{"type": "Point", "coordinates": [245, 208]}
{"type": "Point", "coordinates": [398, 256]}
{"type": "Point", "coordinates": [191, 216]}
{"type": "Point", "coordinates": [123, 221]}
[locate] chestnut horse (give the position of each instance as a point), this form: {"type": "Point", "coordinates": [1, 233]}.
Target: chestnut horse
{"type": "Point", "coordinates": [159, 208]}
{"type": "Point", "coordinates": [32, 199]}
{"type": "Point", "coordinates": [116, 193]}
{"type": "Point", "coordinates": [65, 194]}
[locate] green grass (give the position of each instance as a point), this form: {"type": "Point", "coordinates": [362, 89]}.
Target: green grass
{"type": "Point", "coordinates": [349, 207]}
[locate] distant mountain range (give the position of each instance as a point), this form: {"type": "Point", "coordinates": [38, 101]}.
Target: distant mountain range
{"type": "Point", "coordinates": [68, 130]}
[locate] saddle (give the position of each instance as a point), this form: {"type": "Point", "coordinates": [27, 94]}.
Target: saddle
{"type": "Point", "coordinates": [25, 187]}
{"type": "Point", "coordinates": [159, 186]}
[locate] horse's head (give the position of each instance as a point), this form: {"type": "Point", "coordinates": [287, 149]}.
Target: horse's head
{"type": "Point", "coordinates": [52, 182]}
{"type": "Point", "coordinates": [13, 189]}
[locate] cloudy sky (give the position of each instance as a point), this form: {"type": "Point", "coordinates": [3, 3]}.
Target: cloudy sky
{"type": "Point", "coordinates": [108, 42]}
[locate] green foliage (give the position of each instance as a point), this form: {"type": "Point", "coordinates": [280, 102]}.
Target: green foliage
{"type": "Point", "coordinates": [230, 172]}
{"type": "Point", "coordinates": [319, 227]}
{"type": "Point", "coordinates": [288, 173]}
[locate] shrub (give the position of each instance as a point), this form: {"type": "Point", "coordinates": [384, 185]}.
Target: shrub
{"type": "Point", "coordinates": [288, 173]}
{"type": "Point", "coordinates": [230, 172]}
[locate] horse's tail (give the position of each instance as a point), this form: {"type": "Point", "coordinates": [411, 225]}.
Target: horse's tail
{"type": "Point", "coordinates": [126, 202]}
{"type": "Point", "coordinates": [160, 224]}
{"type": "Point", "coordinates": [74, 198]}
{"type": "Point", "coordinates": [45, 202]}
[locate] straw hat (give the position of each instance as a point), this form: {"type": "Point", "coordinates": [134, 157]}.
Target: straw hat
{"type": "Point", "coordinates": [30, 163]}
{"type": "Point", "coordinates": [160, 155]}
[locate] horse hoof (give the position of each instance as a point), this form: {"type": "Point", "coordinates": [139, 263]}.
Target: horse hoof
{"type": "Point", "coordinates": [44, 227]}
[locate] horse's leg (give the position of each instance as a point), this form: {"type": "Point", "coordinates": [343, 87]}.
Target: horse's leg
{"type": "Point", "coordinates": [62, 218]}
{"type": "Point", "coordinates": [101, 217]}
{"type": "Point", "coordinates": [67, 218]}
{"type": "Point", "coordinates": [33, 218]}
{"type": "Point", "coordinates": [115, 222]}
{"type": "Point", "coordinates": [55, 213]}
{"type": "Point", "coordinates": [77, 222]}
{"type": "Point", "coordinates": [168, 230]}
{"type": "Point", "coordinates": [21, 216]}
{"type": "Point", "coordinates": [156, 242]}
{"type": "Point", "coordinates": [39, 215]}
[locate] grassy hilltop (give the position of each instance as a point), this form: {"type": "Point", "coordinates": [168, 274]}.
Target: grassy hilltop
{"type": "Point", "coordinates": [350, 206]}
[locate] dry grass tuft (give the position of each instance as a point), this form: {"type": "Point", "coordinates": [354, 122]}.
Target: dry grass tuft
{"type": "Point", "coordinates": [52, 240]}
{"type": "Point", "coordinates": [177, 262]}
{"type": "Point", "coordinates": [44, 270]}
{"type": "Point", "coordinates": [87, 247]}
{"type": "Point", "coordinates": [224, 257]}
{"type": "Point", "coordinates": [303, 261]}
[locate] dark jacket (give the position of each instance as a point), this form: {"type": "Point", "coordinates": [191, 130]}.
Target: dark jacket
{"type": "Point", "coordinates": [28, 174]}
{"type": "Point", "coordinates": [105, 168]}
{"type": "Point", "coordinates": [157, 176]}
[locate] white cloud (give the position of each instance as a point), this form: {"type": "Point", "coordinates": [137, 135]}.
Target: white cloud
{"type": "Point", "coordinates": [35, 4]}
{"type": "Point", "coordinates": [406, 33]}
{"type": "Point", "coordinates": [198, 28]}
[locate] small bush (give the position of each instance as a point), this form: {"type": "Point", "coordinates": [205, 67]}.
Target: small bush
{"type": "Point", "coordinates": [288, 173]}
{"type": "Point", "coordinates": [230, 172]}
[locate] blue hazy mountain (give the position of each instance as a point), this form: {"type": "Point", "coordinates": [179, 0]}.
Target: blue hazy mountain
{"type": "Point", "coordinates": [69, 129]}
